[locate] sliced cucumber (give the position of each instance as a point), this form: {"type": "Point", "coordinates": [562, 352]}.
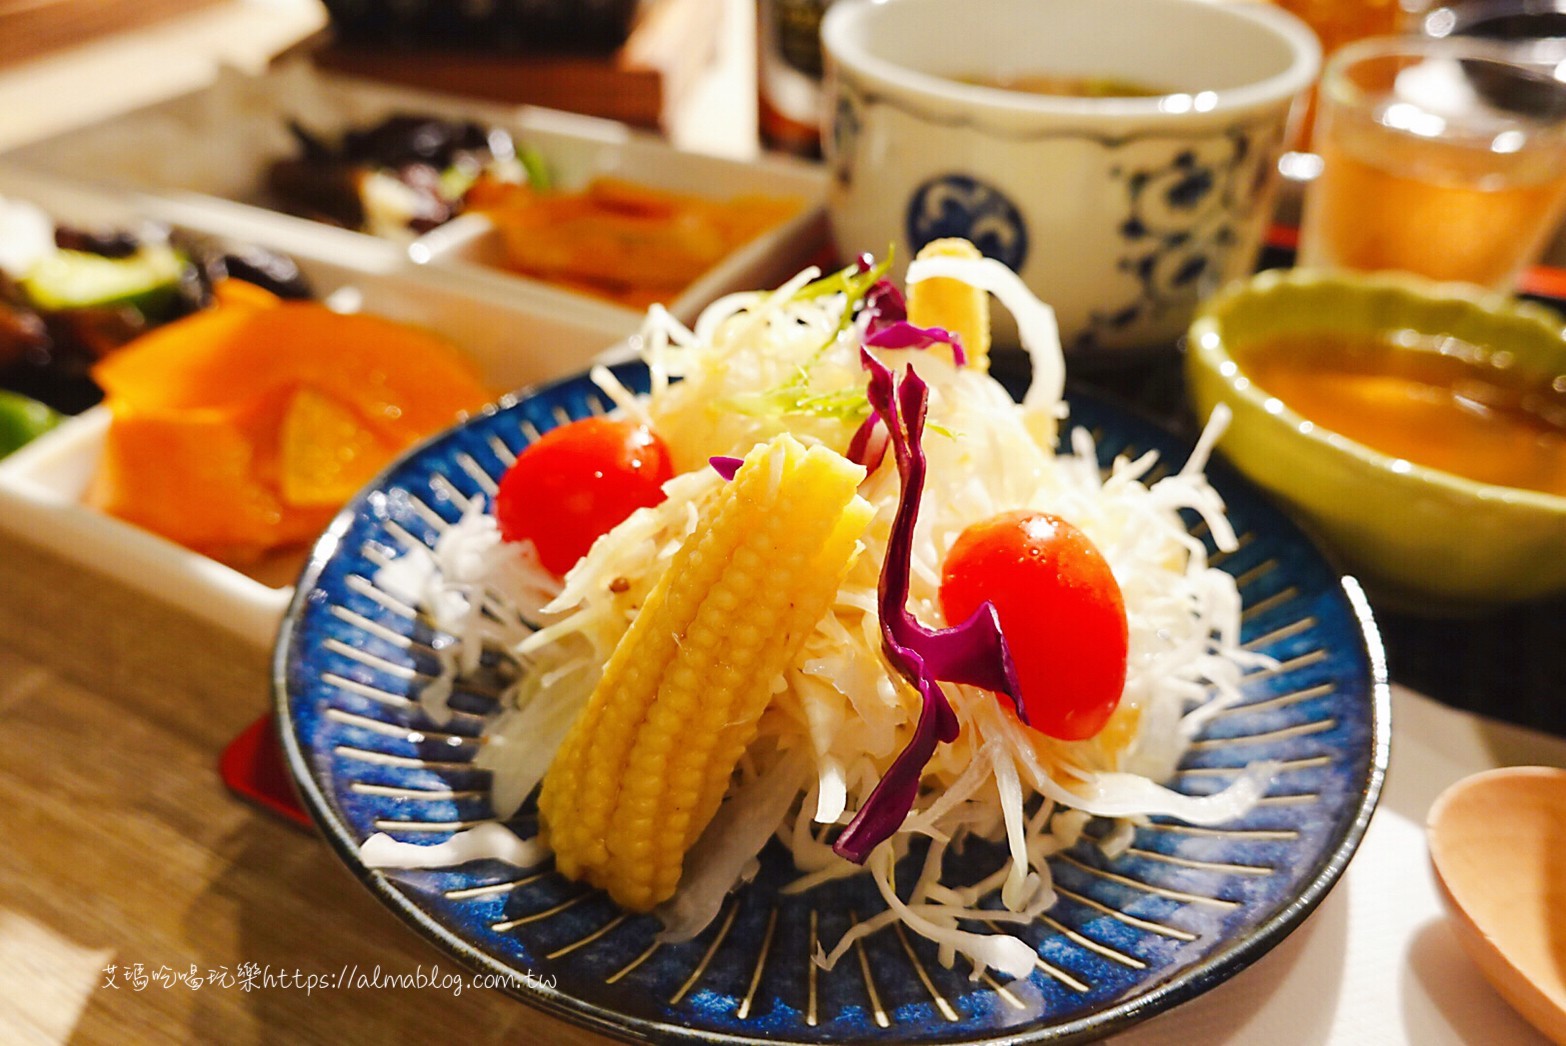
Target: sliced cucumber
{"type": "Point", "coordinates": [147, 280]}
{"type": "Point", "coordinates": [22, 420]}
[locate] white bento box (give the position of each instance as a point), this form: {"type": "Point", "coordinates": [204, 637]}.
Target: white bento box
{"type": "Point", "coordinates": [516, 343]}
{"type": "Point", "coordinates": [215, 144]}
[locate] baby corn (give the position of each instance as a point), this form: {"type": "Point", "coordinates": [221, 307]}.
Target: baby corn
{"type": "Point", "coordinates": [646, 764]}
{"type": "Point", "coordinates": [952, 304]}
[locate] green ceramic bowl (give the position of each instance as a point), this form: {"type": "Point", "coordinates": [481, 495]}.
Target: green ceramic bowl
{"type": "Point", "coordinates": [1417, 537]}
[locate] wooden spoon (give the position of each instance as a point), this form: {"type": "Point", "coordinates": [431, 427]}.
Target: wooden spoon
{"type": "Point", "coordinates": [1498, 843]}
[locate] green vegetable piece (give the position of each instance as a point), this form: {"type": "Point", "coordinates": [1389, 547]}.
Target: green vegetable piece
{"type": "Point", "coordinates": [22, 420]}
{"type": "Point", "coordinates": [537, 168]}
{"type": "Point", "coordinates": [795, 397]}
{"type": "Point", "coordinates": [455, 182]}
{"type": "Point", "coordinates": [147, 280]}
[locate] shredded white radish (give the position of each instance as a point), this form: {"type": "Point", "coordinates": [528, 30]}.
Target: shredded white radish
{"type": "Point", "coordinates": [757, 364]}
{"type": "Point", "coordinates": [492, 841]}
{"type": "Point", "coordinates": [727, 849]}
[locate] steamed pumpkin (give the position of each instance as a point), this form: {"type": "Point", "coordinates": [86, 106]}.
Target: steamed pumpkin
{"type": "Point", "coordinates": [242, 428]}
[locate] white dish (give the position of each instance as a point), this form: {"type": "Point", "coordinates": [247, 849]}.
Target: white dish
{"type": "Point", "coordinates": [41, 486]}
{"type": "Point", "coordinates": [215, 144]}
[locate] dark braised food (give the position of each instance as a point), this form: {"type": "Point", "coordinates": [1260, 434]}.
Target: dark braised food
{"type": "Point", "coordinates": [405, 175]}
{"type": "Point", "coordinates": [98, 290]}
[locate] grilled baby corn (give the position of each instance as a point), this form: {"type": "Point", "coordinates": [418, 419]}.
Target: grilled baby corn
{"type": "Point", "coordinates": [646, 764]}
{"type": "Point", "coordinates": [958, 307]}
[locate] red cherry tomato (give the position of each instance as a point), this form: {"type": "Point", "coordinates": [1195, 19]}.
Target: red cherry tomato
{"type": "Point", "coordinates": [1060, 610]}
{"type": "Point", "coordinates": [576, 483]}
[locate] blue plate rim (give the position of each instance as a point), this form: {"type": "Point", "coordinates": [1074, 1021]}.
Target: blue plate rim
{"type": "Point", "coordinates": [1222, 964]}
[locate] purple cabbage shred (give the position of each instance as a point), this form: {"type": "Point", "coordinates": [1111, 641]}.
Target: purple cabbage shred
{"type": "Point", "coordinates": [868, 445]}
{"type": "Point", "coordinates": [725, 466]}
{"type": "Point", "coordinates": [904, 335]}
{"type": "Point", "coordinates": [973, 652]}
{"type": "Point", "coordinates": [884, 303]}
{"type": "Point", "coordinates": [889, 327]}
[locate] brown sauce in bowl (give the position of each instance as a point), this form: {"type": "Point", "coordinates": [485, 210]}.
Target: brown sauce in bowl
{"type": "Point", "coordinates": [1433, 401]}
{"type": "Point", "coordinates": [1066, 86]}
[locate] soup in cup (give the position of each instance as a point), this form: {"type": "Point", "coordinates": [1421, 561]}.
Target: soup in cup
{"type": "Point", "coordinates": [1123, 200]}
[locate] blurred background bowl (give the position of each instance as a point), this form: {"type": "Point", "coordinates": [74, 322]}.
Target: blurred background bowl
{"type": "Point", "coordinates": [1421, 539]}
{"type": "Point", "coordinates": [1121, 212]}
{"type": "Point", "coordinates": [1536, 27]}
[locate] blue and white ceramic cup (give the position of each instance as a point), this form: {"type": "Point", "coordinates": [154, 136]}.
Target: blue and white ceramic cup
{"type": "Point", "coordinates": [1121, 212]}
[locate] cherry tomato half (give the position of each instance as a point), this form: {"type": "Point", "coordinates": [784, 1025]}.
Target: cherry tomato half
{"type": "Point", "coordinates": [1060, 610]}
{"type": "Point", "coordinates": [578, 482]}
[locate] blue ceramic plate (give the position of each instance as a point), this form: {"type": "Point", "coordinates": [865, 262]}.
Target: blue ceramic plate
{"type": "Point", "coordinates": [1182, 910]}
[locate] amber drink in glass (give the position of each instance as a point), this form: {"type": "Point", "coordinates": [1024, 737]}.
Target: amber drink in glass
{"type": "Point", "coordinates": [1445, 158]}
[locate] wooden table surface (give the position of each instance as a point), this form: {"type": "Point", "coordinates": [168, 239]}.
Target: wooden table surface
{"type": "Point", "coordinates": [29, 28]}
{"type": "Point", "coordinates": [126, 862]}
{"type": "Point", "coordinates": [123, 847]}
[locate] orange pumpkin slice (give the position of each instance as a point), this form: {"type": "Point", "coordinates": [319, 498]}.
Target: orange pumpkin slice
{"type": "Point", "coordinates": [404, 382]}
{"type": "Point", "coordinates": [228, 293]}
{"type": "Point", "coordinates": [198, 477]}
{"type": "Point", "coordinates": [327, 454]}
{"type": "Point", "coordinates": [242, 428]}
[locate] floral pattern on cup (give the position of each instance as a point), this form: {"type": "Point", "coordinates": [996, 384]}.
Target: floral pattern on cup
{"type": "Point", "coordinates": [969, 207]}
{"type": "Point", "coordinates": [1179, 214]}
{"type": "Point", "coordinates": [1133, 208]}
{"type": "Point", "coordinates": [844, 131]}
{"type": "Point", "coordinates": [1185, 220]}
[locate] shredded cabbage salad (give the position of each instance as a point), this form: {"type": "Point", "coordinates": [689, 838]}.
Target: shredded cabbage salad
{"type": "Point", "coordinates": [755, 365]}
